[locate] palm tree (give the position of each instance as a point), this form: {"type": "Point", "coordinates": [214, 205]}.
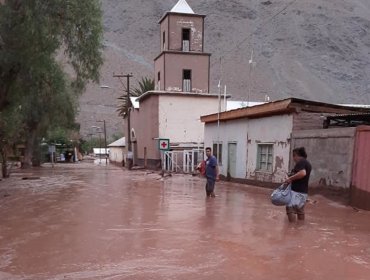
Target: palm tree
{"type": "Point", "coordinates": [146, 84]}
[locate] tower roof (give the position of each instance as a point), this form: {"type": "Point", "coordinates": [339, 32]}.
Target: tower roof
{"type": "Point", "coordinates": [182, 7]}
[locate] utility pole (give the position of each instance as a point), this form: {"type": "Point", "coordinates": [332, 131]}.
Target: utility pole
{"type": "Point", "coordinates": [105, 142]}
{"type": "Point", "coordinates": [128, 107]}
{"type": "Point", "coordinates": [100, 147]}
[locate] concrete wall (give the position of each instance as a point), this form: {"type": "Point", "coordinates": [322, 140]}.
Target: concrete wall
{"type": "Point", "coordinates": [179, 117]}
{"type": "Point", "coordinates": [248, 134]}
{"type": "Point", "coordinates": [330, 152]}
{"type": "Point", "coordinates": [145, 122]}
{"type": "Point", "coordinates": [177, 23]}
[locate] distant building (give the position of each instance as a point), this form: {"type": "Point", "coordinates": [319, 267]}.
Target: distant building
{"type": "Point", "coordinates": [100, 152]}
{"type": "Point", "coordinates": [117, 151]}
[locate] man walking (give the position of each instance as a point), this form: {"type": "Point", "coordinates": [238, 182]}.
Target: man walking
{"type": "Point", "coordinates": [212, 173]}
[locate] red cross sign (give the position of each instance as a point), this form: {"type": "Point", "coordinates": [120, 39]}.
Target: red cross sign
{"type": "Point", "coordinates": [164, 144]}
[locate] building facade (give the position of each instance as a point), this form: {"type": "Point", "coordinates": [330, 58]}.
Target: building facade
{"type": "Point", "coordinates": [169, 115]}
{"type": "Point", "coordinates": [256, 143]}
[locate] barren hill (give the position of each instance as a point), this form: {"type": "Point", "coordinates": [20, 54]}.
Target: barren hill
{"type": "Point", "coordinates": [312, 49]}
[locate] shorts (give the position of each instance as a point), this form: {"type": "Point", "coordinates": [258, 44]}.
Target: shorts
{"type": "Point", "coordinates": [297, 203]}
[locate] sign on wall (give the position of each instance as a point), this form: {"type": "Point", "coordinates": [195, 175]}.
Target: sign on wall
{"type": "Point", "coordinates": [164, 144]}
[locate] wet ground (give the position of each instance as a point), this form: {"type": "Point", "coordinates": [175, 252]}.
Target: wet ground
{"type": "Point", "coordinates": [87, 221]}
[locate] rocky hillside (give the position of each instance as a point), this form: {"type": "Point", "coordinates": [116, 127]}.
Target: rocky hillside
{"type": "Point", "coordinates": [312, 49]}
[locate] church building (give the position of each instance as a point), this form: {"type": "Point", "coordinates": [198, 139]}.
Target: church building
{"type": "Point", "coordinates": [182, 91]}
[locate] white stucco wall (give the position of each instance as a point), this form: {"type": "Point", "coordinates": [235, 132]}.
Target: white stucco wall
{"type": "Point", "coordinates": [230, 132]}
{"type": "Point", "coordinates": [179, 117]}
{"type": "Point", "coordinates": [116, 154]}
{"type": "Point", "coordinates": [276, 130]}
{"type": "Point", "coordinates": [248, 134]}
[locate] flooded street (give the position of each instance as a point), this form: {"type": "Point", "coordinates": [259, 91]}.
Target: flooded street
{"type": "Point", "coordinates": [87, 221]}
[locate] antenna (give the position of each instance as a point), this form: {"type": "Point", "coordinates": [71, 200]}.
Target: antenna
{"type": "Point", "coordinates": [251, 60]}
{"type": "Point", "coordinates": [252, 64]}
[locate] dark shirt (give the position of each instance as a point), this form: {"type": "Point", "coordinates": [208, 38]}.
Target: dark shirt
{"type": "Point", "coordinates": [211, 164]}
{"type": "Point", "coordinates": [301, 185]}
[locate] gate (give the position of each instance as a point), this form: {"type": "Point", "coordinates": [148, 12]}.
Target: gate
{"type": "Point", "coordinates": [360, 189]}
{"type": "Point", "coordinates": [182, 161]}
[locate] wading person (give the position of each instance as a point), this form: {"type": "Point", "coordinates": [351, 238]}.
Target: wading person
{"type": "Point", "coordinates": [299, 179]}
{"type": "Point", "coordinates": [212, 173]}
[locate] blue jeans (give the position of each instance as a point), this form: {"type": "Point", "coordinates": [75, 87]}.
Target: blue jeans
{"type": "Point", "coordinates": [210, 186]}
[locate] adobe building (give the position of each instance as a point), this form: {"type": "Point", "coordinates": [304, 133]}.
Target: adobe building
{"type": "Point", "coordinates": [182, 82]}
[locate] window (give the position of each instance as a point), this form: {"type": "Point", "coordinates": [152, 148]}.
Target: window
{"type": "Point", "coordinates": [265, 157]}
{"type": "Point", "coordinates": [164, 40]}
{"type": "Point", "coordinates": [186, 81]}
{"type": "Point", "coordinates": [186, 40]}
{"type": "Point", "coordinates": [214, 152]}
{"type": "Point", "coordinates": [159, 81]}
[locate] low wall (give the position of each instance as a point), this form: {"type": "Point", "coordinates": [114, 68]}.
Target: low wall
{"type": "Point", "coordinates": [330, 151]}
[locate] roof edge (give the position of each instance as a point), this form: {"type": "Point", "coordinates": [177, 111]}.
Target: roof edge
{"type": "Point", "coordinates": [182, 53]}
{"type": "Point", "coordinates": [178, 93]}
{"type": "Point", "coordinates": [288, 105]}
{"type": "Point", "coordinates": [179, 14]}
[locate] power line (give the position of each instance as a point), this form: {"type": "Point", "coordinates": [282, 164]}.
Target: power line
{"type": "Point", "coordinates": [262, 25]}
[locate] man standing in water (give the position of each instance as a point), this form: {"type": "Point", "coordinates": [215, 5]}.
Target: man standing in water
{"type": "Point", "coordinates": [212, 173]}
{"type": "Point", "coordinates": [299, 181]}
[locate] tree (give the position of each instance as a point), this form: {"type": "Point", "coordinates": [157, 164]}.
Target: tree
{"type": "Point", "coordinates": [11, 131]}
{"type": "Point", "coordinates": [144, 85]}
{"type": "Point", "coordinates": [33, 34]}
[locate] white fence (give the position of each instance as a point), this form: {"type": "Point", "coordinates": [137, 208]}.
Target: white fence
{"type": "Point", "coordinates": [182, 161]}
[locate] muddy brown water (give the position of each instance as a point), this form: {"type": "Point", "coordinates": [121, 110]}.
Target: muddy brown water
{"type": "Point", "coordinates": [86, 221]}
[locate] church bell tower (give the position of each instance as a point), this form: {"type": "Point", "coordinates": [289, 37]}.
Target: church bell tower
{"type": "Point", "coordinates": [182, 65]}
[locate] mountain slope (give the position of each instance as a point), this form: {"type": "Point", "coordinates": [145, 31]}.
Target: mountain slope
{"type": "Point", "coordinates": [312, 49]}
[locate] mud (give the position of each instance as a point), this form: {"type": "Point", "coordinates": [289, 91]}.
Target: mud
{"type": "Point", "coordinates": [89, 221]}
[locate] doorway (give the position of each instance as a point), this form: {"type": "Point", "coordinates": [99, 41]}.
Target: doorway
{"type": "Point", "coordinates": [231, 166]}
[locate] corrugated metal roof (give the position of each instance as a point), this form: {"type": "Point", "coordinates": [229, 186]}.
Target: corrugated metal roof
{"type": "Point", "coordinates": [350, 115]}
{"type": "Point", "coordinates": [284, 106]}
{"type": "Point", "coordinates": [233, 105]}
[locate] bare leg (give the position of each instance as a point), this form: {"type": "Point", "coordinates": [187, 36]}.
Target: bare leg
{"type": "Point", "coordinates": [301, 214]}
{"type": "Point", "coordinates": [291, 214]}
